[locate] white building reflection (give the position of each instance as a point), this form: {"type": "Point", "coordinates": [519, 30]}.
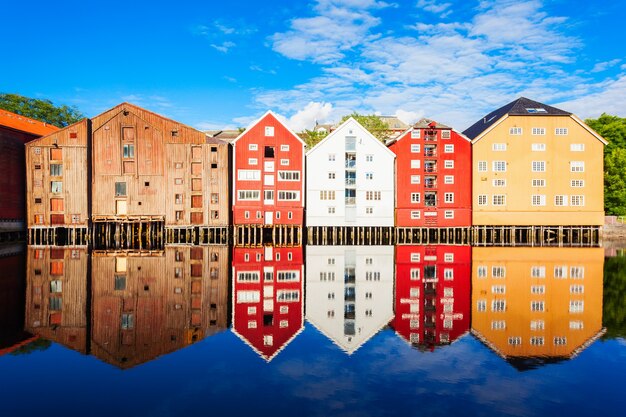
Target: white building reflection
{"type": "Point", "coordinates": [349, 292]}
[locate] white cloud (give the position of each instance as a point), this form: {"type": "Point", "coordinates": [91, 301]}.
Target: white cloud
{"type": "Point", "coordinates": [307, 117]}
{"type": "Point", "coordinates": [609, 97]}
{"type": "Point", "coordinates": [408, 116]}
{"type": "Point", "coordinates": [435, 7]}
{"type": "Point", "coordinates": [603, 66]}
{"type": "Point", "coordinates": [224, 46]}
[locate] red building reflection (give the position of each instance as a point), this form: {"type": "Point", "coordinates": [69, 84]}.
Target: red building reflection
{"type": "Point", "coordinates": [267, 297]}
{"type": "Point", "coordinates": [432, 294]}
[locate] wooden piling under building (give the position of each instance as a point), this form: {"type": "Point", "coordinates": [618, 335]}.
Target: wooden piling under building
{"type": "Point", "coordinates": [58, 236]}
{"type": "Point", "coordinates": [253, 235]}
{"type": "Point", "coordinates": [541, 236]}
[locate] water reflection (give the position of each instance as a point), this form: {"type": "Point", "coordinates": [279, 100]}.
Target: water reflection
{"type": "Point", "coordinates": [432, 302]}
{"type": "Point", "coordinates": [537, 305]}
{"type": "Point", "coordinates": [138, 304]}
{"type": "Point", "coordinates": [268, 307]}
{"type": "Point", "coordinates": [349, 292]}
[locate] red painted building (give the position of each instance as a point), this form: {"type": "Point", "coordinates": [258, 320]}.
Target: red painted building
{"type": "Point", "coordinates": [15, 131]}
{"type": "Point", "coordinates": [268, 174]}
{"type": "Point", "coordinates": [432, 294]}
{"type": "Point", "coordinates": [433, 177]}
{"type": "Point", "coordinates": [268, 304]}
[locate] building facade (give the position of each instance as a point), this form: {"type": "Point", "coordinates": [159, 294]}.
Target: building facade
{"type": "Point", "coordinates": [535, 164]}
{"type": "Point", "coordinates": [349, 292]}
{"type": "Point", "coordinates": [543, 303]}
{"type": "Point", "coordinates": [352, 181]}
{"type": "Point", "coordinates": [268, 174]}
{"type": "Point", "coordinates": [15, 132]}
{"type": "Point", "coordinates": [433, 176]}
{"type": "Point", "coordinates": [432, 294]}
{"type": "Point", "coordinates": [267, 298]}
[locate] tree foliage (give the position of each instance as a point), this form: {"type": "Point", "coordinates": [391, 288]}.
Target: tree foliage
{"type": "Point", "coordinates": [312, 137]}
{"type": "Point", "coordinates": [615, 182]}
{"type": "Point", "coordinates": [34, 346]}
{"type": "Point", "coordinates": [42, 110]}
{"type": "Point", "coordinates": [611, 128]}
{"type": "Point", "coordinates": [614, 297]}
{"type": "Point", "coordinates": [374, 124]}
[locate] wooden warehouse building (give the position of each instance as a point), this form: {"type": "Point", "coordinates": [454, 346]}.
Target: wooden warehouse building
{"type": "Point", "coordinates": [15, 131]}
{"type": "Point", "coordinates": [132, 173]}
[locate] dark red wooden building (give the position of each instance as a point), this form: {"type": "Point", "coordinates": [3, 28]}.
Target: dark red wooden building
{"type": "Point", "coordinates": [433, 176]}
{"type": "Point", "coordinates": [268, 174]}
{"type": "Point", "coordinates": [432, 294]}
{"type": "Point", "coordinates": [15, 131]}
{"type": "Point", "coordinates": [268, 304]}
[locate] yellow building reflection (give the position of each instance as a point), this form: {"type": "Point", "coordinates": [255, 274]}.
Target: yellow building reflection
{"type": "Point", "coordinates": [537, 303]}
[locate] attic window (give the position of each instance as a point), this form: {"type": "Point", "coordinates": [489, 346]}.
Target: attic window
{"type": "Point", "coordinates": [213, 149]}
{"type": "Point", "coordinates": [73, 135]}
{"type": "Point", "coordinates": [147, 184]}
{"type": "Point", "coordinates": [125, 112]}
{"type": "Point", "coordinates": [174, 133]}
{"type": "Point", "coordinates": [536, 110]}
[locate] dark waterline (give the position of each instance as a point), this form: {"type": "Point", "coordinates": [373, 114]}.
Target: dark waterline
{"type": "Point", "coordinates": [312, 374]}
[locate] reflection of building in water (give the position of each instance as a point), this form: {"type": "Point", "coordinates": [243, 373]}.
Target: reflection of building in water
{"type": "Point", "coordinates": [56, 295]}
{"type": "Point", "coordinates": [146, 304]}
{"type": "Point", "coordinates": [267, 297]}
{"type": "Point", "coordinates": [532, 305]}
{"type": "Point", "coordinates": [349, 292]}
{"type": "Point", "coordinates": [432, 294]}
{"type": "Point", "coordinates": [12, 334]}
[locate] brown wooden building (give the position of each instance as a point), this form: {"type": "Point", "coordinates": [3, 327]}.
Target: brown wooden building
{"type": "Point", "coordinates": [56, 295]}
{"type": "Point", "coordinates": [147, 304]}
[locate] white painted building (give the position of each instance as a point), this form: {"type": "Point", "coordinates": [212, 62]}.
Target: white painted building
{"type": "Point", "coordinates": [350, 179]}
{"type": "Point", "coordinates": [349, 292]}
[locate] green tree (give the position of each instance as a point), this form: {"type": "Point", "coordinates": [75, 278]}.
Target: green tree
{"type": "Point", "coordinates": [615, 182]}
{"type": "Point", "coordinates": [34, 346]}
{"type": "Point", "coordinates": [614, 296]}
{"type": "Point", "coordinates": [43, 110]}
{"type": "Point", "coordinates": [312, 137]}
{"type": "Point", "coordinates": [611, 128]}
{"type": "Point", "coordinates": [374, 124]}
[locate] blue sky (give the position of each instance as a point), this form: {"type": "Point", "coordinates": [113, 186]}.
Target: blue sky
{"type": "Point", "coordinates": [215, 64]}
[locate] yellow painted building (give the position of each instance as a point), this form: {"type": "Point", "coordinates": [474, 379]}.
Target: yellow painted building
{"type": "Point", "coordinates": [537, 302]}
{"type": "Point", "coordinates": [536, 165]}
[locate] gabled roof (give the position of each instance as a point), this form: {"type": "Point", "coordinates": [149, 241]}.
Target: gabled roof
{"type": "Point", "coordinates": [334, 133]}
{"type": "Point", "coordinates": [425, 124]}
{"type": "Point", "coordinates": [25, 124]}
{"type": "Point", "coordinates": [393, 122]}
{"type": "Point", "coordinates": [519, 107]}
{"type": "Point", "coordinates": [269, 112]}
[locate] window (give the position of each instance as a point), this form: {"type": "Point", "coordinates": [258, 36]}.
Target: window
{"type": "Point", "coordinates": [448, 274]}
{"type": "Point", "coordinates": [372, 195]}
{"type": "Point", "coordinates": [539, 182]}
{"type": "Point", "coordinates": [498, 325]}
{"type": "Point", "coordinates": [415, 148]}
{"type": "Point", "coordinates": [539, 166]}
{"type": "Point", "coordinates": [577, 272]}
{"type": "Point", "coordinates": [448, 179]}
{"type": "Point", "coordinates": [499, 166]}
{"type": "Point", "coordinates": [538, 271]}
{"type": "Point", "coordinates": [560, 131]}
{"type": "Point", "coordinates": [178, 181]}
{"type": "Point", "coordinates": [415, 179]}
{"type": "Point", "coordinates": [254, 195]}
{"type": "Point", "coordinates": [537, 325]}
{"type": "Point", "coordinates": [288, 175]}
{"type": "Point", "coordinates": [576, 306]}
{"type": "Point", "coordinates": [249, 175]}
{"type": "Point", "coordinates": [332, 176]}
{"type": "Point", "coordinates": [415, 257]}
{"type": "Point", "coordinates": [284, 148]}
{"type": "Point", "coordinates": [538, 131]}
{"type": "Point", "coordinates": [538, 200]}
{"type": "Point", "coordinates": [415, 215]}
{"type": "Point", "coordinates": [499, 183]}
{"type": "Point", "coordinates": [448, 148]}
{"type": "Point", "coordinates": [560, 200]}
{"type": "Point", "coordinates": [537, 306]}
{"type": "Point", "coordinates": [248, 276]}
{"type": "Point", "coordinates": [448, 257]}
{"type": "Point", "coordinates": [127, 321]}
{"type": "Point", "coordinates": [331, 157]}
{"type": "Point", "coordinates": [448, 214]}
{"type": "Point", "coordinates": [415, 164]}
{"type": "Point", "coordinates": [498, 305]}
{"type": "Point", "coordinates": [128, 151]}
{"type": "Point", "coordinates": [445, 134]}
{"type": "Point", "coordinates": [538, 147]}
{"type": "Point", "coordinates": [499, 200]}
{"type": "Point", "coordinates": [120, 189]}
{"type": "Point", "coordinates": [577, 200]}
{"type": "Point", "coordinates": [369, 158]}
{"type": "Point", "coordinates": [253, 296]}
{"type": "Point", "coordinates": [415, 197]}
{"type": "Point", "coordinates": [515, 131]}
{"type": "Point", "coordinates": [577, 183]}
{"type": "Point", "coordinates": [536, 341]}
{"type": "Point", "coordinates": [482, 166]}
{"type": "Point", "coordinates": [56, 170]}
{"type": "Point", "coordinates": [537, 289]}
{"type": "Point", "coordinates": [577, 166]}
{"type": "Point", "coordinates": [56, 186]}
{"type": "Point", "coordinates": [269, 130]}
{"type": "Point", "coordinates": [253, 161]}
{"type": "Point", "coordinates": [327, 195]}
{"type": "Point", "coordinates": [498, 289]}
{"type": "Point", "coordinates": [577, 147]}
{"type": "Point", "coordinates": [120, 282]}
{"type": "Point", "coordinates": [448, 197]}
{"type": "Point", "coordinates": [560, 341]}
{"type": "Point", "coordinates": [414, 274]}
{"type": "Point", "coordinates": [369, 210]}
{"type": "Point", "coordinates": [560, 272]}
{"type": "Point", "coordinates": [482, 200]}
{"type": "Point", "coordinates": [498, 272]}
{"type": "Point", "coordinates": [576, 325]}
{"type": "Point", "coordinates": [577, 289]}
{"type": "Point", "coordinates": [287, 296]}
{"type": "Point", "coordinates": [448, 164]}
{"type": "Point", "coordinates": [369, 175]}
{"type": "Point", "coordinates": [288, 195]}
{"type": "Point", "coordinates": [498, 147]}
{"type": "Point", "coordinates": [415, 134]}
{"type": "Point", "coordinates": [481, 305]}
{"type": "Point", "coordinates": [284, 162]}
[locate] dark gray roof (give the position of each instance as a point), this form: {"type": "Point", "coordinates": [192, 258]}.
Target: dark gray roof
{"type": "Point", "coordinates": [520, 107]}
{"type": "Point", "coordinates": [425, 123]}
